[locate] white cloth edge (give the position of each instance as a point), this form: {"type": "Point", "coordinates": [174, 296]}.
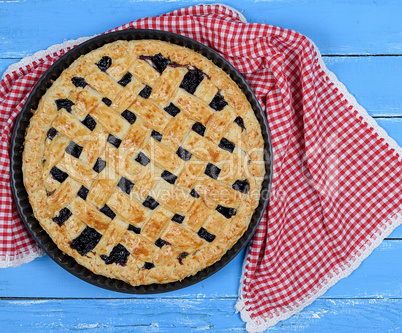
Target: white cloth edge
{"type": "Point", "coordinates": [259, 325]}
{"type": "Point", "coordinates": [24, 258]}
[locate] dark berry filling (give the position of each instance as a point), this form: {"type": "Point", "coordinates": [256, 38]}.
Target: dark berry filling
{"type": "Point", "coordinates": [156, 135]}
{"type": "Point", "coordinates": [199, 128]}
{"type": "Point", "coordinates": [118, 255]}
{"type": "Point", "coordinates": [181, 257]}
{"type": "Point", "coordinates": [242, 186]}
{"type": "Point", "coordinates": [183, 154]}
{"type": "Point", "coordinates": [99, 165]}
{"type": "Point", "coordinates": [134, 229]}
{"type": "Point", "coordinates": [227, 145]}
{"type": "Point", "coordinates": [218, 102]}
{"type": "Point", "coordinates": [89, 122]}
{"type": "Point", "coordinates": [178, 218]}
{"type": "Point", "coordinates": [108, 211]}
{"type": "Point", "coordinates": [239, 121]}
{"type": "Point", "coordinates": [51, 133]}
{"type": "Point", "coordinates": [206, 235]}
{"type": "Point", "coordinates": [129, 116]}
{"type": "Point", "coordinates": [126, 79]}
{"type": "Point", "coordinates": [125, 185]}
{"type": "Point", "coordinates": [58, 174]}
{"type": "Point", "coordinates": [150, 203]}
{"type": "Point", "coordinates": [64, 104]}
{"type": "Point", "coordinates": [194, 194]}
{"type": "Point", "coordinates": [158, 61]}
{"type": "Point", "coordinates": [212, 171]}
{"type": "Point", "coordinates": [160, 242]}
{"type": "Point", "coordinates": [114, 141]}
{"type": "Point", "coordinates": [86, 241]}
{"type": "Point", "coordinates": [104, 63]}
{"type": "Point", "coordinates": [169, 177]}
{"type": "Point", "coordinates": [79, 82]}
{"type": "Point", "coordinates": [74, 150]}
{"type": "Point", "coordinates": [226, 211]}
{"type": "Point", "coordinates": [63, 216]}
{"type": "Point", "coordinates": [107, 101]}
{"type": "Point", "coordinates": [191, 80]}
{"type": "Point", "coordinates": [172, 109]}
{"type": "Point", "coordinates": [142, 159]}
{"type": "Point", "coordinates": [148, 265]}
{"type": "Point", "coordinates": [83, 192]}
{"type": "Point", "coordinates": [145, 92]}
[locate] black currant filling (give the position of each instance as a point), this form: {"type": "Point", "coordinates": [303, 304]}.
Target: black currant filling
{"type": "Point", "coordinates": [156, 135]}
{"type": "Point", "coordinates": [218, 102]}
{"type": "Point", "coordinates": [191, 80]}
{"type": "Point", "coordinates": [64, 104]}
{"type": "Point", "coordinates": [126, 79]}
{"type": "Point", "coordinates": [107, 101]}
{"type": "Point", "coordinates": [212, 171]}
{"type": "Point", "coordinates": [142, 159]}
{"type": "Point", "coordinates": [104, 63]}
{"type": "Point", "coordinates": [118, 255]}
{"type": "Point", "coordinates": [83, 192]}
{"type": "Point", "coordinates": [226, 211]}
{"type": "Point", "coordinates": [242, 186]}
{"type": "Point", "coordinates": [184, 154]}
{"type": "Point", "coordinates": [169, 177]}
{"type": "Point", "coordinates": [150, 203]}
{"type": "Point", "coordinates": [51, 133]}
{"type": "Point", "coordinates": [199, 128]}
{"type": "Point", "coordinates": [225, 144]}
{"type": "Point", "coordinates": [108, 212]}
{"type": "Point", "coordinates": [114, 141]}
{"type": "Point", "coordinates": [79, 82]}
{"type": "Point", "coordinates": [194, 194]}
{"type": "Point", "coordinates": [64, 215]}
{"type": "Point", "coordinates": [206, 235]}
{"type": "Point", "coordinates": [99, 165]}
{"type": "Point", "coordinates": [160, 242]}
{"type": "Point", "coordinates": [239, 122]}
{"type": "Point", "coordinates": [134, 229]}
{"type": "Point", "coordinates": [159, 63]}
{"type": "Point", "coordinates": [129, 116]}
{"type": "Point", "coordinates": [86, 241]}
{"type": "Point", "coordinates": [89, 122]}
{"type": "Point", "coordinates": [125, 185]}
{"type": "Point", "coordinates": [74, 150]}
{"type": "Point", "coordinates": [178, 218]}
{"type": "Point", "coordinates": [172, 109]}
{"type": "Point", "coordinates": [58, 174]}
{"type": "Point", "coordinates": [181, 257]}
{"type": "Point", "coordinates": [148, 265]}
{"type": "Point", "coordinates": [145, 92]}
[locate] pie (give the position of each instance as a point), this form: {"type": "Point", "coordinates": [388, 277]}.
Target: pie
{"type": "Point", "coordinates": [144, 161]}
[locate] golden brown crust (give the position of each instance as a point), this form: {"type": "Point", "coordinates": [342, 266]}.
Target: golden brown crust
{"type": "Point", "coordinates": [138, 174]}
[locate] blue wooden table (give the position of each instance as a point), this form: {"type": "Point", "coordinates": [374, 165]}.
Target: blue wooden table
{"type": "Point", "coordinates": [361, 42]}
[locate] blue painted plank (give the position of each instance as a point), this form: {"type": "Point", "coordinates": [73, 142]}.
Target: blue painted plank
{"type": "Point", "coordinates": [177, 315]}
{"type": "Point", "coordinates": [374, 81]}
{"type": "Point", "coordinates": [337, 27]}
{"type": "Point", "coordinates": [378, 276]}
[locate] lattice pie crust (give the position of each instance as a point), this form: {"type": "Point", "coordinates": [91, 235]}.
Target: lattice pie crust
{"type": "Point", "coordinates": [144, 162]}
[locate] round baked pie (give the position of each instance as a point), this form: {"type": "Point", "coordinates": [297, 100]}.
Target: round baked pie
{"type": "Point", "coordinates": [144, 161]}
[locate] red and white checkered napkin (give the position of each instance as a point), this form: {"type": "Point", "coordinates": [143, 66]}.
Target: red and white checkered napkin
{"type": "Point", "coordinates": [337, 175]}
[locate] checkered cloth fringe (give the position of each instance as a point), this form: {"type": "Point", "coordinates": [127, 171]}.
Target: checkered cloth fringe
{"type": "Point", "coordinates": [337, 175]}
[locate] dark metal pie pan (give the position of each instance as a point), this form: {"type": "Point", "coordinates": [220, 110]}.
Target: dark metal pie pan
{"type": "Point", "coordinates": [17, 146]}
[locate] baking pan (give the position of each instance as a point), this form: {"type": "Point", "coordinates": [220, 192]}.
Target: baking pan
{"type": "Point", "coordinates": [17, 145]}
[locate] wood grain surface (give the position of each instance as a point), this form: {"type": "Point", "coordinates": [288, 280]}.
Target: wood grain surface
{"type": "Point", "coordinates": [361, 42]}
